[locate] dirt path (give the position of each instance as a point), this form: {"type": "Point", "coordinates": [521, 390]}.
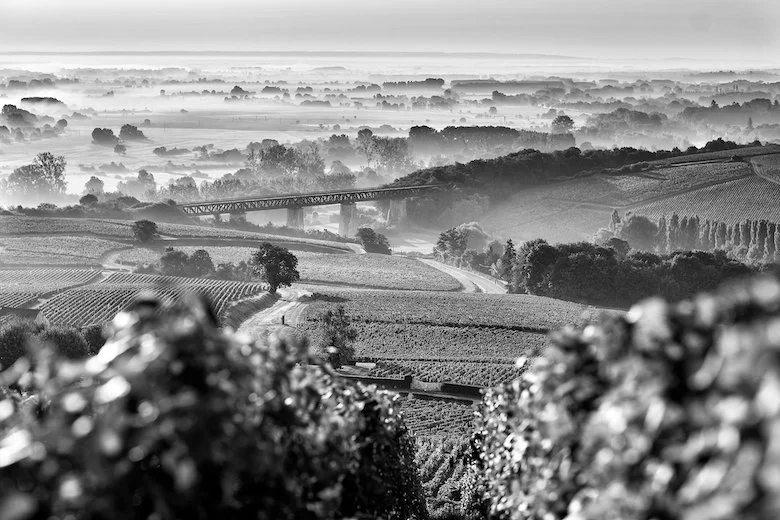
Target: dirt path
{"type": "Point", "coordinates": [471, 282]}
{"type": "Point", "coordinates": [759, 169]}
{"type": "Point", "coordinates": [290, 305]}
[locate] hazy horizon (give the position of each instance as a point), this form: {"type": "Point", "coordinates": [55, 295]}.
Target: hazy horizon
{"type": "Point", "coordinates": [666, 29]}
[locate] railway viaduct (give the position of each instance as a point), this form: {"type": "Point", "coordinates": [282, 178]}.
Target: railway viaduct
{"type": "Point", "coordinates": [295, 203]}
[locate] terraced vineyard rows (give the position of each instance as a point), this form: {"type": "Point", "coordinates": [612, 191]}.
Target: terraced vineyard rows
{"type": "Point", "coordinates": [442, 463]}
{"type": "Point", "coordinates": [43, 280]}
{"type": "Point", "coordinates": [732, 202]}
{"type": "Point", "coordinates": [99, 303]}
{"type": "Point", "coordinates": [432, 417]}
{"type": "Point", "coordinates": [15, 299]}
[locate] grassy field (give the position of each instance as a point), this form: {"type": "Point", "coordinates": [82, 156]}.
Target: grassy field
{"type": "Point", "coordinates": [11, 225]}
{"type": "Point", "coordinates": [366, 270]}
{"type": "Point", "coordinates": [373, 271]}
{"type": "Point", "coordinates": [219, 254]}
{"type": "Point", "coordinates": [54, 250]}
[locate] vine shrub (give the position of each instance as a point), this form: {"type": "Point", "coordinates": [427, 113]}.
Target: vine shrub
{"type": "Point", "coordinates": [174, 418]}
{"type": "Point", "coordinates": [668, 412]}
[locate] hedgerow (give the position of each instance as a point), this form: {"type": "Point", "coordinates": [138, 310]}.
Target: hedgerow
{"type": "Point", "coordinates": [669, 412]}
{"type": "Point", "coordinates": [175, 419]}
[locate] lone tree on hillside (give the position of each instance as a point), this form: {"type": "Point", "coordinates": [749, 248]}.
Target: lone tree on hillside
{"type": "Point", "coordinates": [276, 265]}
{"type": "Point", "coordinates": [373, 242]}
{"type": "Point", "coordinates": [338, 337]}
{"type": "Point", "coordinates": [144, 230]}
{"type": "Point", "coordinates": [562, 124]}
{"type": "Point", "coordinates": [45, 175]}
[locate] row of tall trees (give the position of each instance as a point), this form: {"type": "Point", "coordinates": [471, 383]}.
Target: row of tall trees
{"type": "Point", "coordinates": [754, 241]}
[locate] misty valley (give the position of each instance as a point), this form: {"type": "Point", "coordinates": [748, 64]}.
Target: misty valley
{"type": "Point", "coordinates": [392, 285]}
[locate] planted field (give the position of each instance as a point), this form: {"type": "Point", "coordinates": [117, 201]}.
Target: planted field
{"type": "Point", "coordinates": [15, 299]}
{"type": "Point", "coordinates": [38, 281]}
{"type": "Point", "coordinates": [414, 341]}
{"type": "Point", "coordinates": [526, 218]}
{"type": "Point", "coordinates": [442, 464]}
{"type": "Point", "coordinates": [20, 286]}
{"type": "Point", "coordinates": [751, 198]}
{"type": "Point", "coordinates": [724, 154]}
{"type": "Point", "coordinates": [374, 271]}
{"type": "Point", "coordinates": [446, 371]}
{"type": "Point", "coordinates": [54, 249]}
{"type": "Point", "coordinates": [521, 311]}
{"type": "Point", "coordinates": [100, 302]}
{"type": "Point", "coordinates": [622, 190]}
{"type": "Point", "coordinates": [426, 417]}
{"type": "Point", "coordinates": [768, 166]}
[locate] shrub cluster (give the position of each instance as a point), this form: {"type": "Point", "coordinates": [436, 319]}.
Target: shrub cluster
{"type": "Point", "coordinates": [607, 276]}
{"type": "Point", "coordinates": [17, 339]}
{"type": "Point", "coordinates": [175, 419]}
{"type": "Point", "coordinates": [668, 412]}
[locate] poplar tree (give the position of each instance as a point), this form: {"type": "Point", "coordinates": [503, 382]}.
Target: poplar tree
{"type": "Point", "coordinates": [704, 239]}
{"type": "Point", "coordinates": [674, 232]}
{"type": "Point", "coordinates": [769, 244]}
{"type": "Point", "coordinates": [663, 238]}
{"type": "Point", "coordinates": [721, 237]}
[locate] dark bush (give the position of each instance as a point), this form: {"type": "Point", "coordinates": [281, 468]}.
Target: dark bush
{"type": "Point", "coordinates": [69, 343]}
{"type": "Point", "coordinates": [175, 419]}
{"type": "Point", "coordinates": [14, 340]}
{"type": "Point", "coordinates": [95, 338]}
{"type": "Point", "coordinates": [668, 412]}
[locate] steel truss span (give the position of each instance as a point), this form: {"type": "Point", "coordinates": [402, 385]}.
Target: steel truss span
{"type": "Point", "coordinates": [298, 201]}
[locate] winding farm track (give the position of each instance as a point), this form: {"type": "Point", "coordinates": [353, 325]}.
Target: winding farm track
{"type": "Point", "coordinates": [759, 170]}
{"type": "Point", "coordinates": [471, 282]}
{"type": "Point", "coordinates": [290, 305]}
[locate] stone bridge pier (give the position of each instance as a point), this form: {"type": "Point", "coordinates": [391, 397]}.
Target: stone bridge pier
{"type": "Point", "coordinates": [396, 213]}
{"type": "Point", "coordinates": [348, 219]}
{"type": "Point", "coordinates": [295, 218]}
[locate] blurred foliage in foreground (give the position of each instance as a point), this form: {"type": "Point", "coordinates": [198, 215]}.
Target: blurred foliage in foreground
{"type": "Point", "coordinates": [670, 412]}
{"type": "Point", "coordinates": [175, 419]}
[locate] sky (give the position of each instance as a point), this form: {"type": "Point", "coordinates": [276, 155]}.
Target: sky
{"type": "Point", "coordinates": [729, 30]}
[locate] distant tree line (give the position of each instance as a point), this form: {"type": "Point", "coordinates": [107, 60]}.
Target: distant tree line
{"type": "Point", "coordinates": [273, 264]}
{"type": "Point", "coordinates": [607, 274]}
